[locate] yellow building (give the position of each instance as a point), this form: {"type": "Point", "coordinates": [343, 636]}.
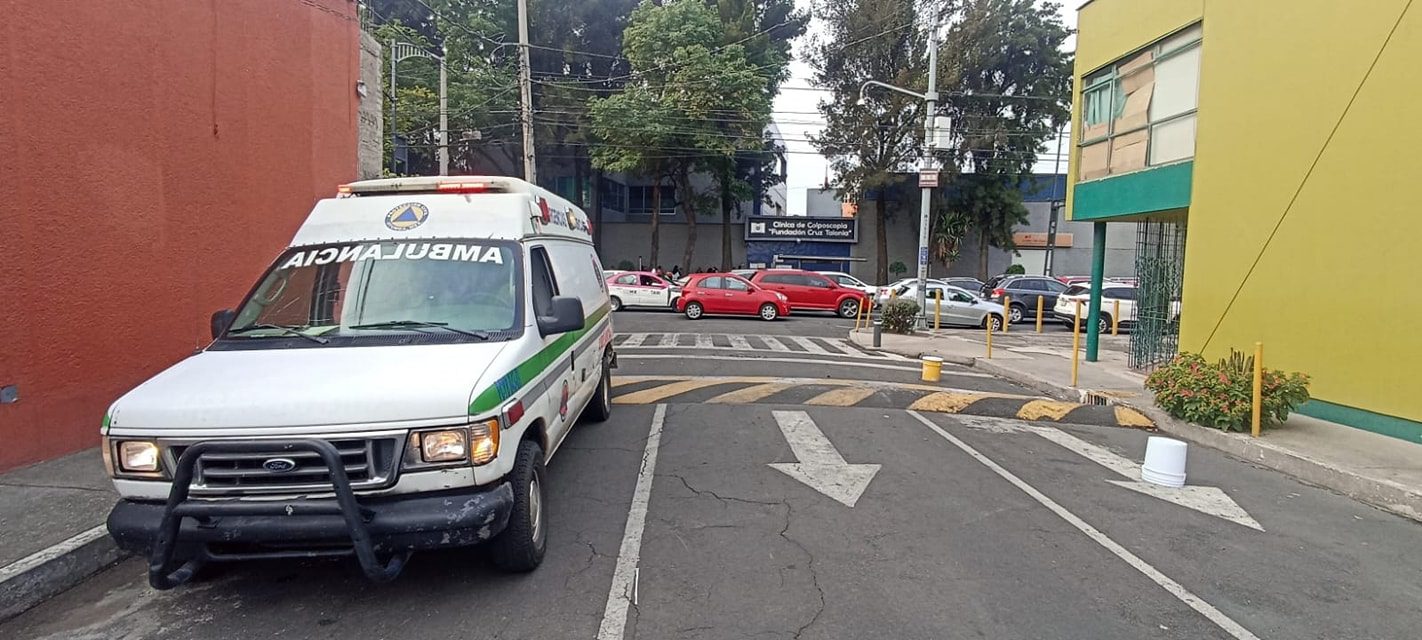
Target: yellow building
{"type": "Point", "coordinates": [1270, 152]}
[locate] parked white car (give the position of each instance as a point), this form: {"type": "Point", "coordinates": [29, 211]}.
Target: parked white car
{"type": "Point", "coordinates": [846, 280]}
{"type": "Point", "coordinates": [1111, 294]}
{"type": "Point", "coordinates": [959, 306]}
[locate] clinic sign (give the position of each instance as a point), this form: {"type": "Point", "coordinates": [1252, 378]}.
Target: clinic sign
{"type": "Point", "coordinates": [801, 229]}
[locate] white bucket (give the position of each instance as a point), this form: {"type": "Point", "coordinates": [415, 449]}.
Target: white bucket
{"type": "Point", "coordinates": [1164, 462]}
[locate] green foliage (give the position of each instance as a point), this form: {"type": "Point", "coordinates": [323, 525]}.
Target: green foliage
{"type": "Point", "coordinates": [626, 265]}
{"type": "Point", "coordinates": [898, 269]}
{"type": "Point", "coordinates": [1220, 394]}
{"type": "Point", "coordinates": [1015, 270]}
{"type": "Point", "coordinates": [900, 316]}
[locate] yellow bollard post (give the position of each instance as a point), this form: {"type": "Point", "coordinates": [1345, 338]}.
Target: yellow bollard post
{"type": "Point", "coordinates": [860, 315]}
{"type": "Point", "coordinates": [1254, 418]}
{"type": "Point", "coordinates": [1039, 314]}
{"type": "Point", "coordinates": [1115, 316]}
{"type": "Point", "coordinates": [1006, 312]}
{"type": "Point", "coordinates": [1075, 342]}
{"type": "Point", "coordinates": [989, 329]}
{"type": "Point", "coordinates": [937, 307]}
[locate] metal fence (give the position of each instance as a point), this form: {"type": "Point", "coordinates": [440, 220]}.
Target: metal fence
{"type": "Point", "coordinates": [1160, 267]}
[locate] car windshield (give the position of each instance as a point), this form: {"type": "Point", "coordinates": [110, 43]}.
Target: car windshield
{"type": "Point", "coordinates": [442, 290]}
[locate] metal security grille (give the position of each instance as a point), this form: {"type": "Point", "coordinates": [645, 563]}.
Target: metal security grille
{"type": "Point", "coordinates": [368, 463]}
{"type": "Point", "coordinates": [1160, 267]}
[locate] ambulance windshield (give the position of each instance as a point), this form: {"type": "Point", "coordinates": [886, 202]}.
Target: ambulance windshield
{"type": "Point", "coordinates": [426, 291]}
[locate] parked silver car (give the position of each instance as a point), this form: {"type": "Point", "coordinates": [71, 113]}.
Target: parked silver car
{"type": "Point", "coordinates": [959, 307]}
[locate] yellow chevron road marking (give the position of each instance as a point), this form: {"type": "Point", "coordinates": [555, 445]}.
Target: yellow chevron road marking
{"type": "Point", "coordinates": [946, 401]}
{"type": "Point", "coordinates": [841, 397]}
{"type": "Point", "coordinates": [1045, 410]}
{"type": "Point", "coordinates": [750, 394]}
{"type": "Point", "coordinates": [659, 393]}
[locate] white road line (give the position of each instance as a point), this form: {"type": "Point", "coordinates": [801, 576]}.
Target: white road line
{"type": "Point", "coordinates": [738, 342]}
{"type": "Point", "coordinates": [703, 341]}
{"type": "Point", "coordinates": [808, 344]}
{"type": "Point", "coordinates": [634, 340]}
{"type": "Point", "coordinates": [19, 567]}
{"type": "Point", "coordinates": [871, 365]}
{"type": "Point", "coordinates": [624, 576]}
{"type": "Point", "coordinates": [773, 344]}
{"type": "Point", "coordinates": [853, 350]}
{"type": "Point", "coordinates": [1175, 588]}
{"type": "Point", "coordinates": [668, 340]}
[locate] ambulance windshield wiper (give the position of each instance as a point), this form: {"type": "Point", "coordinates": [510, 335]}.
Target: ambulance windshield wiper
{"type": "Point", "coordinates": [279, 327]}
{"type": "Point", "coordinates": [397, 324]}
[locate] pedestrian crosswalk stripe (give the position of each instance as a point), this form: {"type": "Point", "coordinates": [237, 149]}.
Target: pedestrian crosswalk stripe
{"type": "Point", "coordinates": [841, 397]}
{"type": "Point", "coordinates": [668, 340]}
{"type": "Point", "coordinates": [703, 341]}
{"type": "Point", "coordinates": [774, 344]}
{"type": "Point", "coordinates": [738, 342]}
{"type": "Point", "coordinates": [1046, 410]}
{"type": "Point", "coordinates": [808, 344]}
{"type": "Point", "coordinates": [634, 340]}
{"type": "Point", "coordinates": [750, 394]}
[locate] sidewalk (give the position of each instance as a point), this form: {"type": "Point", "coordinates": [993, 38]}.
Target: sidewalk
{"type": "Point", "coordinates": [1381, 471]}
{"type": "Point", "coordinates": [52, 524]}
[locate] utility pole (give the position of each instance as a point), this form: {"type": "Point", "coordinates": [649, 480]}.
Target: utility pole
{"type": "Point", "coordinates": [443, 118]}
{"type": "Point", "coordinates": [929, 164]}
{"type": "Point", "coordinates": [1057, 204]}
{"type": "Point", "coordinates": [525, 88]}
{"type": "Point", "coordinates": [394, 128]}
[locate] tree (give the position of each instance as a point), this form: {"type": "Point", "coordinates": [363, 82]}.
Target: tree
{"type": "Point", "coordinates": [693, 103]}
{"type": "Point", "coordinates": [870, 144]}
{"type": "Point", "coordinates": [1009, 88]}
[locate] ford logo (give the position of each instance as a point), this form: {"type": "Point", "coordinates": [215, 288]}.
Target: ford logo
{"type": "Point", "coordinates": [279, 465]}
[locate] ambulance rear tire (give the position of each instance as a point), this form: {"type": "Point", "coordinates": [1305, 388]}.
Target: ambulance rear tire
{"type": "Point", "coordinates": [519, 548]}
{"type": "Point", "coordinates": [600, 407]}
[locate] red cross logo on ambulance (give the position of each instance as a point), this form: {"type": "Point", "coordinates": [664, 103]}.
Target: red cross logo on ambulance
{"type": "Point", "coordinates": [406, 216]}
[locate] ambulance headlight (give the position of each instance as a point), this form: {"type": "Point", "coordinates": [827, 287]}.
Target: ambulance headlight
{"type": "Point", "coordinates": [137, 456]}
{"type": "Point", "coordinates": [450, 445]}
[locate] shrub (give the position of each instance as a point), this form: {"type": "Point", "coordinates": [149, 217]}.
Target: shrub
{"type": "Point", "coordinates": [1220, 395]}
{"type": "Point", "coordinates": [1016, 270]}
{"type": "Point", "coordinates": [900, 315]}
{"type": "Point", "coordinates": [898, 269]}
{"type": "Point", "coordinates": [626, 265]}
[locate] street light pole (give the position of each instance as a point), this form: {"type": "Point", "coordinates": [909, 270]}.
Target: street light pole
{"type": "Point", "coordinates": [404, 50]}
{"type": "Point", "coordinates": [525, 89]}
{"type": "Point", "coordinates": [927, 163]}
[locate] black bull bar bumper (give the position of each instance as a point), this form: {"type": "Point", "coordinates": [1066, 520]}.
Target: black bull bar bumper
{"type": "Point", "coordinates": [181, 535]}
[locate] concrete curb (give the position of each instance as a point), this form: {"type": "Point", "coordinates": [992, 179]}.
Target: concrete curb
{"type": "Point", "coordinates": [1383, 494]}
{"type": "Point", "coordinates": [30, 580]}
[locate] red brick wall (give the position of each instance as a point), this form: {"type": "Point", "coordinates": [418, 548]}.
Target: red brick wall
{"type": "Point", "coordinates": [154, 157]}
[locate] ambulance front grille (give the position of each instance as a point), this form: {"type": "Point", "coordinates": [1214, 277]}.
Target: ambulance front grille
{"type": "Point", "coordinates": [369, 463]}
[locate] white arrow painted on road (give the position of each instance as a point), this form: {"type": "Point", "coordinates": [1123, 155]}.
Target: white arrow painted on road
{"type": "Point", "coordinates": [1209, 500]}
{"type": "Point", "coordinates": [820, 466]}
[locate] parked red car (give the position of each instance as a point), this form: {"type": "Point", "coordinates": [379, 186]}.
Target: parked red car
{"type": "Point", "coordinates": [811, 291]}
{"type": "Point", "coordinates": [725, 294]}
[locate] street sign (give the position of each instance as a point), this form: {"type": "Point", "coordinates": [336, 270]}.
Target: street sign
{"type": "Point", "coordinates": [928, 178]}
{"type": "Point", "coordinates": [923, 255]}
{"type": "Point", "coordinates": [801, 228]}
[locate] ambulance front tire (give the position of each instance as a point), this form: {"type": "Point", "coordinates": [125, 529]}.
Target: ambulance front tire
{"type": "Point", "coordinates": [600, 407]}
{"type": "Point", "coordinates": [519, 548]}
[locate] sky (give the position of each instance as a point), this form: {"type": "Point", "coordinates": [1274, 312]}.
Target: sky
{"type": "Point", "coordinates": [797, 116]}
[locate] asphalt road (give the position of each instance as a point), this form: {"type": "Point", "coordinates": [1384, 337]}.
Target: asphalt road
{"type": "Point", "coordinates": [792, 494]}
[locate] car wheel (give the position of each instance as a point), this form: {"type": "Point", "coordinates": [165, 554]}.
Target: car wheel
{"type": "Point", "coordinates": [616, 303]}
{"type": "Point", "coordinates": [1103, 324]}
{"type": "Point", "coordinates": [694, 310]}
{"type": "Point", "coordinates": [520, 546]}
{"type": "Point", "coordinates": [849, 309]}
{"type": "Point", "coordinates": [996, 321]}
{"type": "Point", "coordinates": [1016, 313]}
{"type": "Point", "coordinates": [600, 407]}
{"type": "Point", "coordinates": [768, 312]}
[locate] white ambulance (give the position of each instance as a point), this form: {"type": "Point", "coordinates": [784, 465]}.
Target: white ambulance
{"type": "Point", "coordinates": [394, 382]}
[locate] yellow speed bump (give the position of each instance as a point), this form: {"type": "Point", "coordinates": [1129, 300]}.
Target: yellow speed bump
{"type": "Point", "coordinates": [659, 393]}
{"type": "Point", "coordinates": [750, 394]}
{"type": "Point", "coordinates": [1046, 410]}
{"type": "Point", "coordinates": [841, 397]}
{"type": "Point", "coordinates": [1128, 417]}
{"type": "Point", "coordinates": [946, 401]}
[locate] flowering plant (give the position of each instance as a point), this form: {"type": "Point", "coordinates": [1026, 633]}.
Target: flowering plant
{"type": "Point", "coordinates": [1220, 395]}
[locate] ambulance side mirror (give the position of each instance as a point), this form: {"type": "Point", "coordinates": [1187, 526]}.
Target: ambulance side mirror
{"type": "Point", "coordinates": [567, 316]}
{"type": "Point", "coordinates": [221, 320]}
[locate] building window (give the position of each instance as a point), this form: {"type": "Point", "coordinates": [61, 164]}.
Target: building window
{"type": "Point", "coordinates": [566, 186]}
{"type": "Point", "coordinates": [639, 200]}
{"type": "Point", "coordinates": [1140, 111]}
{"type": "Point", "coordinates": [614, 195]}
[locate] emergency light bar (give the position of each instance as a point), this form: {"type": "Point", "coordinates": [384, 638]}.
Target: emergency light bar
{"type": "Point", "coordinates": [433, 184]}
